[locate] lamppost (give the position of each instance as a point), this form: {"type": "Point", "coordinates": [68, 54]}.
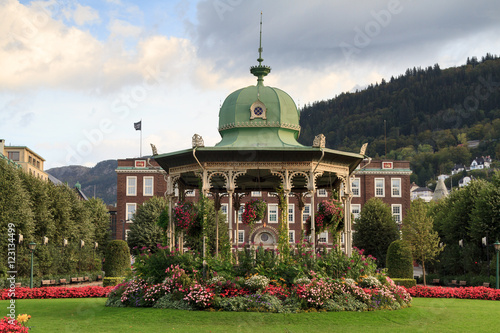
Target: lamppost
{"type": "Point", "coordinates": [497, 249]}
{"type": "Point", "coordinates": [32, 246]}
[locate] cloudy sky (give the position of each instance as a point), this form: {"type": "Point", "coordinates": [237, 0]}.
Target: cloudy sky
{"type": "Point", "coordinates": [77, 74]}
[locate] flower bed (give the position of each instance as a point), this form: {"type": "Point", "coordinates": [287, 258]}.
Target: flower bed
{"type": "Point", "coordinates": [181, 290]}
{"type": "Point", "coordinates": [462, 292]}
{"type": "Point", "coordinates": [56, 292]}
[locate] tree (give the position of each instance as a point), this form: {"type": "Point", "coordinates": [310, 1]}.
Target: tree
{"type": "Point", "coordinates": [418, 232]}
{"type": "Point", "coordinates": [375, 230]}
{"type": "Point", "coordinates": [99, 217]}
{"type": "Point", "coordinates": [399, 260]}
{"type": "Point", "coordinates": [145, 230]}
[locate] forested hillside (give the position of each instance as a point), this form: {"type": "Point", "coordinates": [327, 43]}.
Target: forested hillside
{"type": "Point", "coordinates": [99, 180]}
{"type": "Point", "coordinates": [428, 116]}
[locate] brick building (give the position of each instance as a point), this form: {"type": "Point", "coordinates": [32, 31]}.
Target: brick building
{"type": "Point", "coordinates": [387, 180]}
{"type": "Point", "coordinates": [137, 181]}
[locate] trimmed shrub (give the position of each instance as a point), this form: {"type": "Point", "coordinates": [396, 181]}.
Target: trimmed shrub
{"type": "Point", "coordinates": [112, 281]}
{"type": "Point", "coordinates": [117, 259]}
{"type": "Point", "coordinates": [407, 283]}
{"type": "Point", "coordinates": [399, 261]}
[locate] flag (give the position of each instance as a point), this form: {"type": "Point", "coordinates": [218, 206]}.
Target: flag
{"type": "Point", "coordinates": [137, 125]}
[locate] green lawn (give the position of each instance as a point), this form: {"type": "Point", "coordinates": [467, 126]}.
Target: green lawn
{"type": "Point", "coordinates": [426, 315]}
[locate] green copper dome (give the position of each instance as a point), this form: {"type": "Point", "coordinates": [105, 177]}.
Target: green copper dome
{"type": "Point", "coordinates": [259, 116]}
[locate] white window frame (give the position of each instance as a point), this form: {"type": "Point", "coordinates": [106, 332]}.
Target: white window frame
{"type": "Point", "coordinates": [356, 190]}
{"type": "Point", "coordinates": [342, 237]}
{"type": "Point", "coordinates": [356, 215]}
{"type": "Point", "coordinates": [382, 188]}
{"type": "Point", "coordinates": [190, 193]}
{"type": "Point", "coordinates": [127, 231]}
{"type": "Point", "coordinates": [291, 236]}
{"type": "Point", "coordinates": [396, 188]}
{"type": "Point", "coordinates": [242, 234]}
{"type": "Point", "coordinates": [306, 213]}
{"type": "Point", "coordinates": [291, 213]}
{"type": "Point", "coordinates": [131, 189]}
{"type": "Point", "coordinates": [323, 235]}
{"type": "Point", "coordinates": [256, 193]}
{"type": "Point", "coordinates": [321, 193]}
{"type": "Point", "coordinates": [145, 187]}
{"type": "Point", "coordinates": [240, 213]}
{"type": "Point", "coordinates": [398, 216]}
{"type": "Point", "coordinates": [128, 218]}
{"type": "Point", "coordinates": [272, 210]}
{"type": "Point", "coordinates": [225, 208]}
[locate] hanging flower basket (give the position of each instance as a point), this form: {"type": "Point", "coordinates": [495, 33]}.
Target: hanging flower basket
{"type": "Point", "coordinates": [185, 215]}
{"type": "Point", "coordinates": [330, 215]}
{"type": "Point", "coordinates": [255, 210]}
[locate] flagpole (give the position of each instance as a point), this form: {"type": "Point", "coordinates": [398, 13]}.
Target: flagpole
{"type": "Point", "coordinates": [140, 147]}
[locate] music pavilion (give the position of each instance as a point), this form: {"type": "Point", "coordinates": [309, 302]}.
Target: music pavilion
{"type": "Point", "coordinates": [259, 126]}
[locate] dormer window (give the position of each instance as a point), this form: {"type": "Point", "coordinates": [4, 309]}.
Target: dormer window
{"type": "Point", "coordinates": [258, 110]}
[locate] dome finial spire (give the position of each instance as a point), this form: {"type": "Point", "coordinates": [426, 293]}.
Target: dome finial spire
{"type": "Point", "coordinates": [260, 60]}
{"type": "Point", "coordinates": [260, 70]}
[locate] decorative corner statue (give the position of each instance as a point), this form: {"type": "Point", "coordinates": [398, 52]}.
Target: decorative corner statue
{"type": "Point", "coordinates": [153, 147]}
{"type": "Point", "coordinates": [319, 141]}
{"type": "Point", "coordinates": [363, 148]}
{"type": "Point", "coordinates": [198, 141]}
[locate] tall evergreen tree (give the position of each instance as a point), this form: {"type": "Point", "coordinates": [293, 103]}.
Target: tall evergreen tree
{"type": "Point", "coordinates": [375, 230]}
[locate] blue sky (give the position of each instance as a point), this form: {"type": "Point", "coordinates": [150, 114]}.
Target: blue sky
{"type": "Point", "coordinates": [78, 74]}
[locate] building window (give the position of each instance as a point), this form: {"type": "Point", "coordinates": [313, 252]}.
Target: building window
{"type": "Point", "coordinates": [224, 209]}
{"type": "Point", "coordinates": [291, 213]}
{"type": "Point", "coordinates": [29, 160]}
{"type": "Point", "coordinates": [13, 155]}
{"type": "Point", "coordinates": [148, 186]}
{"type": "Point", "coordinates": [379, 187]}
{"type": "Point", "coordinates": [322, 192]}
{"type": "Point", "coordinates": [131, 185]}
{"type": "Point", "coordinates": [240, 213]}
{"type": "Point", "coordinates": [272, 213]}
{"type": "Point", "coordinates": [256, 193]}
{"type": "Point", "coordinates": [130, 211]}
{"type": "Point", "coordinates": [396, 187]}
{"type": "Point", "coordinates": [355, 210]}
{"type": "Point", "coordinates": [307, 212]}
{"type": "Point", "coordinates": [356, 187]}
{"type": "Point", "coordinates": [291, 236]}
{"type": "Point", "coordinates": [126, 233]}
{"type": "Point", "coordinates": [241, 236]}
{"type": "Point", "coordinates": [323, 237]}
{"type": "Point", "coordinates": [342, 237]}
{"type": "Point", "coordinates": [190, 193]}
{"type": "Point", "coordinates": [396, 213]}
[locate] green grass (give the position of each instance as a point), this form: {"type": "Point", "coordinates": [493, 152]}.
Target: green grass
{"type": "Point", "coordinates": [90, 315]}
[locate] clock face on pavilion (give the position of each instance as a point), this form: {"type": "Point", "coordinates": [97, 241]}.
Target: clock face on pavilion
{"type": "Point", "coordinates": [258, 110]}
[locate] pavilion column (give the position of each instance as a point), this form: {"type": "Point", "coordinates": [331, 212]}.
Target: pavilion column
{"type": "Point", "coordinates": [230, 217]}
{"type": "Point", "coordinates": [217, 206]}
{"type": "Point", "coordinates": [312, 193]}
{"type": "Point", "coordinates": [347, 197]}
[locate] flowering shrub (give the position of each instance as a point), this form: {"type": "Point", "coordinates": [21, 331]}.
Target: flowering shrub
{"type": "Point", "coordinates": [9, 325]}
{"type": "Point", "coordinates": [134, 293]}
{"type": "Point", "coordinates": [254, 211]}
{"type": "Point", "coordinates": [185, 215]}
{"type": "Point", "coordinates": [257, 282]}
{"type": "Point", "coordinates": [199, 296]}
{"type": "Point", "coordinates": [316, 293]}
{"type": "Point", "coordinates": [57, 292]}
{"type": "Point", "coordinates": [446, 292]}
{"type": "Point", "coordinates": [330, 214]}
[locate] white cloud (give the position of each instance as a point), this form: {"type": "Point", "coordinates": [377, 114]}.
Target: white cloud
{"type": "Point", "coordinates": [85, 14]}
{"type": "Point", "coordinates": [120, 28]}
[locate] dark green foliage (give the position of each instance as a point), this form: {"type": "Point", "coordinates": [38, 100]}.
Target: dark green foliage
{"type": "Point", "coordinates": [117, 259]}
{"type": "Point", "coordinates": [112, 281]}
{"type": "Point", "coordinates": [424, 108]}
{"type": "Point", "coordinates": [375, 230]}
{"type": "Point", "coordinates": [399, 260]}
{"type": "Point", "coordinates": [146, 231]}
{"type": "Point", "coordinates": [407, 283]}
